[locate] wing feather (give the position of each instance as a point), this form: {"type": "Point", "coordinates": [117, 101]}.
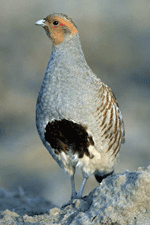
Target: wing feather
{"type": "Point", "coordinates": [110, 119]}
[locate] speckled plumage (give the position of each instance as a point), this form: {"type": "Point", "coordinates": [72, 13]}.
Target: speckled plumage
{"type": "Point", "coordinates": [71, 92]}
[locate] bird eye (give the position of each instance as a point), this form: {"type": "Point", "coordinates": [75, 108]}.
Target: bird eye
{"type": "Point", "coordinates": [55, 22]}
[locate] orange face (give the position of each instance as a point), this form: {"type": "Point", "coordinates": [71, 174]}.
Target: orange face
{"type": "Point", "coordinates": [57, 27]}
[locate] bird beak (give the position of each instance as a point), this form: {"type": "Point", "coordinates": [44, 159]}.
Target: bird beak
{"type": "Point", "coordinates": [40, 23]}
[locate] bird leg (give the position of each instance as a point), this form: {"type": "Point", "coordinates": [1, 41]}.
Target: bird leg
{"type": "Point", "coordinates": [79, 194]}
{"type": "Point", "coordinates": [73, 191]}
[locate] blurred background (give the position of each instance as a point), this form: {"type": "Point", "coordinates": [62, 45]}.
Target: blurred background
{"type": "Point", "coordinates": [115, 37]}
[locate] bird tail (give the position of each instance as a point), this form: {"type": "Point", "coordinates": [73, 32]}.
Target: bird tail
{"type": "Point", "coordinates": [99, 178]}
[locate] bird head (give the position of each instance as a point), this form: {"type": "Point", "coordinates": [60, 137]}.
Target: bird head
{"type": "Point", "coordinates": [58, 26]}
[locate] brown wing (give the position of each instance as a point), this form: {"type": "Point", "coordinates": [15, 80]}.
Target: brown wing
{"type": "Point", "coordinates": [110, 120]}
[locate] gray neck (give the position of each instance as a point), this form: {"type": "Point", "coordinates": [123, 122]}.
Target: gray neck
{"type": "Point", "coordinates": [67, 55]}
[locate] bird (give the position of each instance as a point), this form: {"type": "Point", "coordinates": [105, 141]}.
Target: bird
{"type": "Point", "coordinates": [77, 115]}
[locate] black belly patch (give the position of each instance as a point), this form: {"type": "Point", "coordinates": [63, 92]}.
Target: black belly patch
{"type": "Point", "coordinates": [64, 135]}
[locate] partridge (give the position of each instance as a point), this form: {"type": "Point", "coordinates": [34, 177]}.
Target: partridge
{"type": "Point", "coordinates": [77, 116]}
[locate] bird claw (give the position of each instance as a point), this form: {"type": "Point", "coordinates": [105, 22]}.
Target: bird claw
{"type": "Point", "coordinates": [73, 197]}
{"type": "Point", "coordinates": [67, 203]}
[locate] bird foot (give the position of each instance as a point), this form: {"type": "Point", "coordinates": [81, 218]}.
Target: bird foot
{"type": "Point", "coordinates": [67, 203]}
